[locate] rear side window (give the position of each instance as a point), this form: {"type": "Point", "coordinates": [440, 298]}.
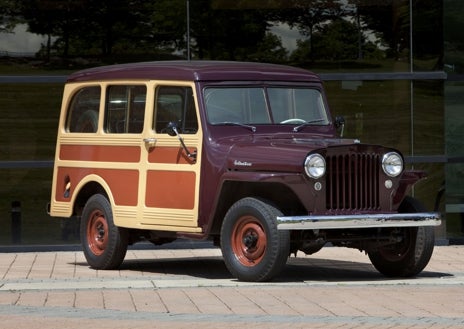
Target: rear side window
{"type": "Point", "coordinates": [83, 111]}
{"type": "Point", "coordinates": [125, 109]}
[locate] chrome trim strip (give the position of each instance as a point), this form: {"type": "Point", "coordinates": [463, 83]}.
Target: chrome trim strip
{"type": "Point", "coordinates": [358, 221]}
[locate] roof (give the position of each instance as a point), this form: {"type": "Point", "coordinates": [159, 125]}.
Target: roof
{"type": "Point", "coordinates": [194, 71]}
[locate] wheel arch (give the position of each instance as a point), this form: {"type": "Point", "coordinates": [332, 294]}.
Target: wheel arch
{"type": "Point", "coordinates": [90, 185]}
{"type": "Point", "coordinates": [278, 194]}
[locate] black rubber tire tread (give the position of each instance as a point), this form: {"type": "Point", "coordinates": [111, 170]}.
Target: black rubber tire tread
{"type": "Point", "coordinates": [113, 256]}
{"type": "Point", "coordinates": [277, 248]}
{"type": "Point", "coordinates": [420, 249]}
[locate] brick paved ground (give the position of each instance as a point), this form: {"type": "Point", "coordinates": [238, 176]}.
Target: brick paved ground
{"type": "Point", "coordinates": [190, 288]}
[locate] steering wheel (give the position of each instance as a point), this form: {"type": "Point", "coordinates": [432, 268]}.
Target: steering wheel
{"type": "Point", "coordinates": [293, 121]}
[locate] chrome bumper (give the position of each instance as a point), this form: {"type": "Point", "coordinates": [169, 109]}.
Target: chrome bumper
{"type": "Point", "coordinates": [358, 221]}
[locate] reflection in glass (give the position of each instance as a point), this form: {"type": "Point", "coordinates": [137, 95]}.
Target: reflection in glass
{"type": "Point", "coordinates": [248, 105]}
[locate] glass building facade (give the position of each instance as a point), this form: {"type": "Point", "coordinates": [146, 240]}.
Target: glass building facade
{"type": "Point", "coordinates": [393, 68]}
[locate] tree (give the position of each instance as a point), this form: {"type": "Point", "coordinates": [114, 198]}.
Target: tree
{"type": "Point", "coordinates": [226, 33]}
{"type": "Point", "coordinates": [270, 50]}
{"type": "Point", "coordinates": [309, 16]}
{"type": "Point", "coordinates": [8, 15]}
{"type": "Point", "coordinates": [428, 30]}
{"type": "Point", "coordinates": [302, 53]}
{"type": "Point", "coordinates": [376, 16]}
{"type": "Point", "coordinates": [111, 22]}
{"type": "Point", "coordinates": [337, 40]}
{"type": "Point", "coordinates": [83, 25]}
{"type": "Point", "coordinates": [54, 18]}
{"type": "Point", "coordinates": [167, 24]}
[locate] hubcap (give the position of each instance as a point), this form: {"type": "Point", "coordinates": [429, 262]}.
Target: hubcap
{"type": "Point", "coordinates": [249, 241]}
{"type": "Point", "coordinates": [97, 232]}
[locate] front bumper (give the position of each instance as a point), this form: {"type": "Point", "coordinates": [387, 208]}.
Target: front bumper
{"type": "Point", "coordinates": [358, 221]}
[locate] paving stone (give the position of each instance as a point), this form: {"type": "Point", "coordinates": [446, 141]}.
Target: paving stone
{"type": "Point", "coordinates": [191, 288]}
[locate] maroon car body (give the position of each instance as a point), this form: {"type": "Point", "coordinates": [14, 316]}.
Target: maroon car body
{"type": "Point", "coordinates": [275, 177]}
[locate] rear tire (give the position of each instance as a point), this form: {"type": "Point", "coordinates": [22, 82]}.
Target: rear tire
{"type": "Point", "coordinates": [104, 244]}
{"type": "Point", "coordinates": [252, 247]}
{"type": "Point", "coordinates": [409, 257]}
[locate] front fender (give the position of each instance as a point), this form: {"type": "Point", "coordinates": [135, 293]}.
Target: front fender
{"type": "Point", "coordinates": [286, 190]}
{"type": "Point", "coordinates": [407, 180]}
{"type": "Point", "coordinates": [294, 182]}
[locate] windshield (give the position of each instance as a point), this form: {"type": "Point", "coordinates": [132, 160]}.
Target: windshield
{"type": "Point", "coordinates": [265, 105]}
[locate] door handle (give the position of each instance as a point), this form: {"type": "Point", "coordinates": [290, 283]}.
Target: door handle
{"type": "Point", "coordinates": [150, 141]}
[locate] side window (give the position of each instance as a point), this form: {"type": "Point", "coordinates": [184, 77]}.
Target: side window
{"type": "Point", "coordinates": [82, 116]}
{"type": "Point", "coordinates": [125, 109]}
{"type": "Point", "coordinates": [175, 104]}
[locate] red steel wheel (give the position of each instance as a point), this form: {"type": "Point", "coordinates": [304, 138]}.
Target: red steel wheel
{"type": "Point", "coordinates": [97, 232]}
{"type": "Point", "coordinates": [252, 246]}
{"type": "Point", "coordinates": [104, 244]}
{"type": "Point", "coordinates": [249, 241]}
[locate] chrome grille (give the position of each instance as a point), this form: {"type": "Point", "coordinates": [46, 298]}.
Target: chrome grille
{"type": "Point", "coordinates": [353, 182]}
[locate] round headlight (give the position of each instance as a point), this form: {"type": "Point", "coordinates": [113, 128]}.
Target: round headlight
{"type": "Point", "coordinates": [392, 164]}
{"type": "Point", "coordinates": [315, 166]}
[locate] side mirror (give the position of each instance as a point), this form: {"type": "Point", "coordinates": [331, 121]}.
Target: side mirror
{"type": "Point", "coordinates": [171, 130]}
{"type": "Point", "coordinates": [340, 124]}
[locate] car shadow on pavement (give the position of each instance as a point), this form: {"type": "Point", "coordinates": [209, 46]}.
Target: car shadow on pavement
{"type": "Point", "coordinates": [297, 269]}
{"type": "Point", "coordinates": [328, 270]}
{"type": "Point", "coordinates": [207, 267]}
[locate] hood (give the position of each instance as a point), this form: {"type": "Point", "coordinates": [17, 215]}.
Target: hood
{"type": "Point", "coordinates": [278, 153]}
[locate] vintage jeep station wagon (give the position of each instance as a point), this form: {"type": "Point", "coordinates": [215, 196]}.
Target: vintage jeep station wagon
{"type": "Point", "coordinates": [244, 154]}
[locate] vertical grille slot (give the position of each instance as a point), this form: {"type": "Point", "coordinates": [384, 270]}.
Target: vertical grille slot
{"type": "Point", "coordinates": [353, 182]}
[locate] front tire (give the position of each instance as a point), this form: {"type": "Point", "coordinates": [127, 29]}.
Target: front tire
{"type": "Point", "coordinates": [252, 247]}
{"type": "Point", "coordinates": [104, 244]}
{"type": "Point", "coordinates": [409, 257]}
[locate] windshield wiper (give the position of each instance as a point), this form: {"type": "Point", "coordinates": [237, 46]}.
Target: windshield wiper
{"type": "Point", "coordinates": [228, 123]}
{"type": "Point", "coordinates": [307, 123]}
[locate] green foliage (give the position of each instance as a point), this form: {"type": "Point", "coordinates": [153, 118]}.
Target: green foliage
{"type": "Point", "coordinates": [270, 50]}
{"type": "Point", "coordinates": [336, 41]}
{"type": "Point", "coordinates": [226, 34]}
{"type": "Point", "coordinates": [219, 29]}
{"type": "Point", "coordinates": [8, 15]}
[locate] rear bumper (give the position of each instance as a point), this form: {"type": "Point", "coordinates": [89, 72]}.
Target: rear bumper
{"type": "Point", "coordinates": [358, 221]}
